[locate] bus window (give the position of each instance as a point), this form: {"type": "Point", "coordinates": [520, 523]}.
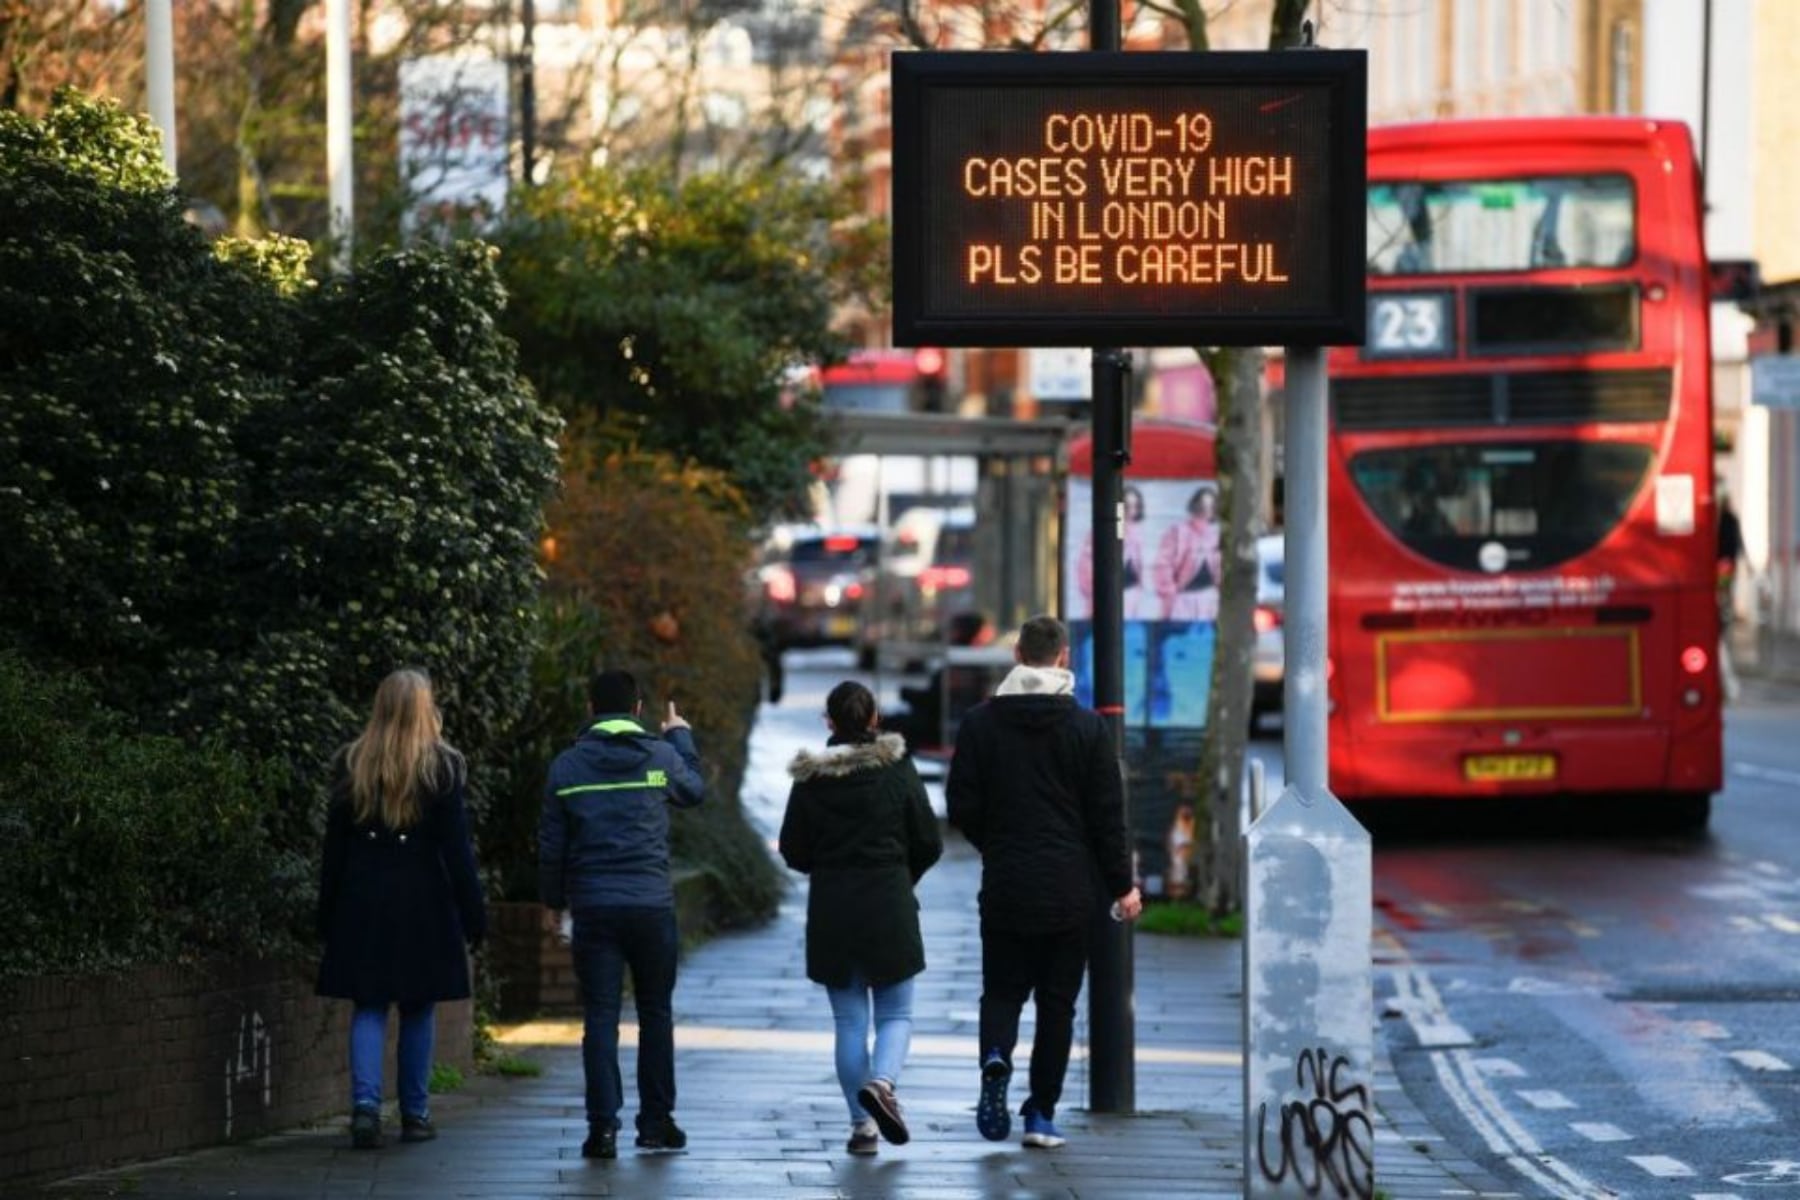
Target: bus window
{"type": "Point", "coordinates": [1501, 225]}
{"type": "Point", "coordinates": [1545, 501]}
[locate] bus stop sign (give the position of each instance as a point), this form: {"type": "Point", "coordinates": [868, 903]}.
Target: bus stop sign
{"type": "Point", "coordinates": [1106, 198]}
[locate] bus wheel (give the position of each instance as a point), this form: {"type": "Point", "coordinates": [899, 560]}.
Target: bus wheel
{"type": "Point", "coordinates": [1689, 813]}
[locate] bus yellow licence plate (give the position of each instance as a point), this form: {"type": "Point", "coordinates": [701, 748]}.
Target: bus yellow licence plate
{"type": "Point", "coordinates": [1486, 768]}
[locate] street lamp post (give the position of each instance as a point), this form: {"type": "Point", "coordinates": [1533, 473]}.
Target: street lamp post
{"type": "Point", "coordinates": [159, 73]}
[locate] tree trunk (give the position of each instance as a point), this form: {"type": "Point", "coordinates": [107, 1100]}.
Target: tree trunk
{"type": "Point", "coordinates": [1238, 379]}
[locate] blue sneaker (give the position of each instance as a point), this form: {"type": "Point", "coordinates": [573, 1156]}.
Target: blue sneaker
{"type": "Point", "coordinates": [1041, 1132]}
{"type": "Point", "coordinates": [992, 1117]}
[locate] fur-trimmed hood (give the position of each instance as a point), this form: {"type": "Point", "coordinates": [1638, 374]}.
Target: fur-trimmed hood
{"type": "Point", "coordinates": [847, 759]}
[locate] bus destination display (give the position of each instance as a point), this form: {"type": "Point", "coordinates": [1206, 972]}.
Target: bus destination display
{"type": "Point", "coordinates": [1077, 199]}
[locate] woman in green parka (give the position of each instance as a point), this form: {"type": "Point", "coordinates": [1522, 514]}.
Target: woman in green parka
{"type": "Point", "coordinates": [858, 822]}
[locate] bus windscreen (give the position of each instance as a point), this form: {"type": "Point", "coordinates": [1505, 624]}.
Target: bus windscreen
{"type": "Point", "coordinates": [1533, 224]}
{"type": "Point", "coordinates": [1542, 502]}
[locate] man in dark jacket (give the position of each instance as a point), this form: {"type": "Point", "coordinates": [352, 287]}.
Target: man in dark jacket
{"type": "Point", "coordinates": [603, 854]}
{"type": "Point", "coordinates": [1035, 787]}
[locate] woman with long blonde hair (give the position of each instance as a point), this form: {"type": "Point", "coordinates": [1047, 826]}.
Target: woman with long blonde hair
{"type": "Point", "coordinates": [399, 898]}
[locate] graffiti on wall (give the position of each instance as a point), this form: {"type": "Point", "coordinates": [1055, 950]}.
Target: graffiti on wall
{"type": "Point", "coordinates": [252, 1060]}
{"type": "Point", "coordinates": [1326, 1140]}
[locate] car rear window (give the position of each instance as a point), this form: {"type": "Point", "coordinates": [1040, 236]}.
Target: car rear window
{"type": "Point", "coordinates": [847, 550]}
{"type": "Point", "coordinates": [956, 545]}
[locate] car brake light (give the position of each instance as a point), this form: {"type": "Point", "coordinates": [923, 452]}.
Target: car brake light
{"type": "Point", "coordinates": [841, 543]}
{"type": "Point", "coordinates": [779, 583]}
{"type": "Point", "coordinates": [938, 579]}
{"type": "Point", "coordinates": [1694, 659]}
{"type": "Point", "coordinates": [1267, 620]}
{"type": "Point", "coordinates": [853, 591]}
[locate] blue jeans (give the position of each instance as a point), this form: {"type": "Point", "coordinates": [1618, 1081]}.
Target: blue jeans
{"type": "Point", "coordinates": [368, 1042]}
{"type": "Point", "coordinates": [850, 1009]}
{"type": "Point", "coordinates": [608, 940]}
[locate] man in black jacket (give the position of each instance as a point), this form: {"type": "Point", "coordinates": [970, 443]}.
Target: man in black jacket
{"type": "Point", "coordinates": [603, 853]}
{"type": "Point", "coordinates": [1035, 787]}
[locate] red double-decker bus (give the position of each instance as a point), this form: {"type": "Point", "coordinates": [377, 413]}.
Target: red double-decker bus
{"type": "Point", "coordinates": [1521, 479]}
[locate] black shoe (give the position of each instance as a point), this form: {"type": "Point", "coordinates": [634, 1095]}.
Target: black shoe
{"type": "Point", "coordinates": [878, 1100]}
{"type": "Point", "coordinates": [601, 1143]}
{"type": "Point", "coordinates": [661, 1137]}
{"type": "Point", "coordinates": [864, 1141]}
{"type": "Point", "coordinates": [992, 1117]}
{"type": "Point", "coordinates": [416, 1129]}
{"type": "Point", "coordinates": [365, 1129]}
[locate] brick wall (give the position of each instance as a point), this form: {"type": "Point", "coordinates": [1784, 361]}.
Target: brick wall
{"type": "Point", "coordinates": [96, 1070]}
{"type": "Point", "coordinates": [531, 964]}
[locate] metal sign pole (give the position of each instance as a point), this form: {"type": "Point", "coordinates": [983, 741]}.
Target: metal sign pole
{"type": "Point", "coordinates": [1112, 1085]}
{"type": "Point", "coordinates": [1308, 1029]}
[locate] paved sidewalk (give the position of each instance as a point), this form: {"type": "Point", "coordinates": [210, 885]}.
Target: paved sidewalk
{"type": "Point", "coordinates": [760, 1102]}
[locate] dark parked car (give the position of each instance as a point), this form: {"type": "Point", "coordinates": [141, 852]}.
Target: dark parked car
{"type": "Point", "coordinates": [927, 578]}
{"type": "Point", "coordinates": [812, 585]}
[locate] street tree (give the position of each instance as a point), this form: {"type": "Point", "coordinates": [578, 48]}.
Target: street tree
{"type": "Point", "coordinates": [683, 306]}
{"type": "Point", "coordinates": [1237, 381]}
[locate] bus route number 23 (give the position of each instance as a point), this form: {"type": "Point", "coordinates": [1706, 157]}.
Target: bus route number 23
{"type": "Point", "coordinates": [1407, 326]}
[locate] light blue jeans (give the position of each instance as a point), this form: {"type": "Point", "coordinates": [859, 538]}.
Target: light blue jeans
{"type": "Point", "coordinates": [368, 1042]}
{"type": "Point", "coordinates": [850, 1009]}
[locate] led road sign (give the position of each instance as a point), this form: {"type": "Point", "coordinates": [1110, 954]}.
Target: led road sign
{"type": "Point", "coordinates": [1129, 199]}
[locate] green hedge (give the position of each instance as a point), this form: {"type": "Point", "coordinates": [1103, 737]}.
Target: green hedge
{"type": "Point", "coordinates": [118, 848]}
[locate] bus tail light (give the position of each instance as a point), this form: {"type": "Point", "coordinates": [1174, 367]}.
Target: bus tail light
{"type": "Point", "coordinates": [779, 583]}
{"type": "Point", "coordinates": [1694, 659]}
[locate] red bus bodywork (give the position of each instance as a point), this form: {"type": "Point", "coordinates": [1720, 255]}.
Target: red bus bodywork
{"type": "Point", "coordinates": [1506, 675]}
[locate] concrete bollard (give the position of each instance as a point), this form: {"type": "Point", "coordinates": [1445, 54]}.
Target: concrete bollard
{"type": "Point", "coordinates": [1308, 1018]}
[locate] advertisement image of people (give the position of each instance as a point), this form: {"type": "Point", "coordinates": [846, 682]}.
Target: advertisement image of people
{"type": "Point", "coordinates": [1171, 590]}
{"type": "Point", "coordinates": [1172, 562]}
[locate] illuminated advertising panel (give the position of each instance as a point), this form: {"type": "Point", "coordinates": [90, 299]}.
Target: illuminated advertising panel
{"type": "Point", "coordinates": [1134, 199]}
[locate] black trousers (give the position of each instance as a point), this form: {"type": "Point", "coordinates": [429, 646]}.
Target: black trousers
{"type": "Point", "coordinates": [1049, 966]}
{"type": "Point", "coordinates": [607, 942]}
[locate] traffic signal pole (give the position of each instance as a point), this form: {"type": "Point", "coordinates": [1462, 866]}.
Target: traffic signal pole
{"type": "Point", "coordinates": [1112, 1047]}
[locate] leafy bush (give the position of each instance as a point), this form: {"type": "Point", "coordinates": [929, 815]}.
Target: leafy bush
{"type": "Point", "coordinates": [243, 497]}
{"type": "Point", "coordinates": [646, 565]}
{"type": "Point", "coordinates": [118, 848]}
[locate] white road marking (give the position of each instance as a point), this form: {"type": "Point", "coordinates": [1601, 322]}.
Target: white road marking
{"type": "Point", "coordinates": [1500, 1068]}
{"type": "Point", "coordinates": [1476, 1101]}
{"type": "Point", "coordinates": [1546, 1099]}
{"type": "Point", "coordinates": [1783, 923]}
{"type": "Point", "coordinates": [1600, 1131]}
{"type": "Point", "coordinates": [1717, 1196]}
{"type": "Point", "coordinates": [1582, 929]}
{"type": "Point", "coordinates": [1712, 1031]}
{"type": "Point", "coordinates": [1767, 774]}
{"type": "Point", "coordinates": [1725, 891]}
{"type": "Point", "coordinates": [1758, 1060]}
{"type": "Point", "coordinates": [1661, 1165]}
{"type": "Point", "coordinates": [1745, 924]}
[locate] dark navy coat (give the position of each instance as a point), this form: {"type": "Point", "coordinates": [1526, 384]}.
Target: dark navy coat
{"type": "Point", "coordinates": [603, 834]}
{"type": "Point", "coordinates": [398, 909]}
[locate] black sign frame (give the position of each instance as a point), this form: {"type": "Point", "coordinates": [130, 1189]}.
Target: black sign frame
{"type": "Point", "coordinates": [1337, 317]}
